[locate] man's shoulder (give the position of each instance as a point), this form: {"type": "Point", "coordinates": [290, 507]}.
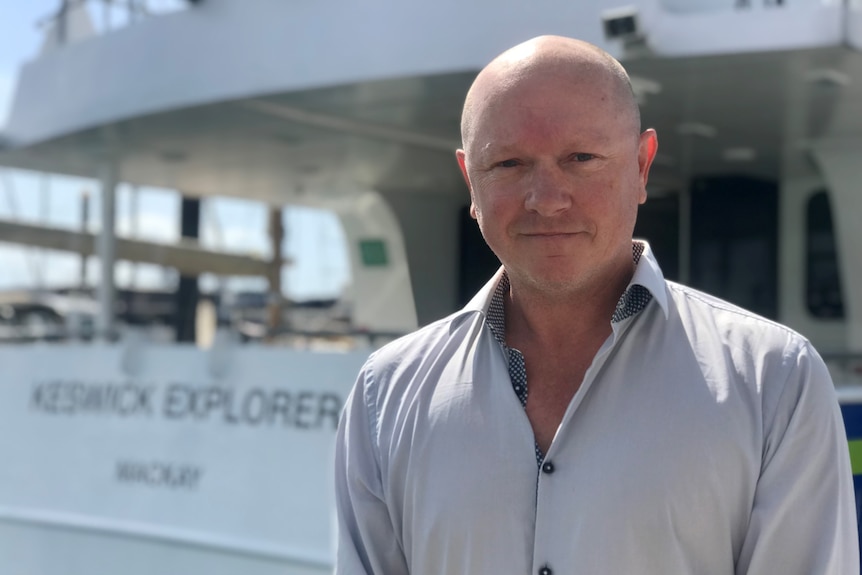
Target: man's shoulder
{"type": "Point", "coordinates": [427, 344]}
{"type": "Point", "coordinates": [774, 363]}
{"type": "Point", "coordinates": [735, 322]}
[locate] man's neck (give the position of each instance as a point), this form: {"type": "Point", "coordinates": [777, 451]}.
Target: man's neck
{"type": "Point", "coordinates": [558, 318]}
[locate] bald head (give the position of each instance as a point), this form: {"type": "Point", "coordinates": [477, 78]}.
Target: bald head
{"type": "Point", "coordinates": [550, 56]}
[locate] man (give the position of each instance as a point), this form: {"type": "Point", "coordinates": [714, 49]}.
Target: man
{"type": "Point", "coordinates": [581, 414]}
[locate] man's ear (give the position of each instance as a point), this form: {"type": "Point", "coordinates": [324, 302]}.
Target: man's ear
{"type": "Point", "coordinates": [647, 148]}
{"type": "Point", "coordinates": [462, 163]}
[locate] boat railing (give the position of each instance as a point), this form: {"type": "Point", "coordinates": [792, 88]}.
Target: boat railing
{"type": "Point", "coordinates": [73, 20]}
{"type": "Point", "coordinates": [37, 323]}
{"type": "Point", "coordinates": [715, 6]}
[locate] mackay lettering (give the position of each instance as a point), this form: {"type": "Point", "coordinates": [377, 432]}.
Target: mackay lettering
{"type": "Point", "coordinates": [159, 474]}
{"type": "Point", "coordinates": [253, 406]}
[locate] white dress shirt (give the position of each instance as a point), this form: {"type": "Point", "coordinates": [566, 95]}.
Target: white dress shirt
{"type": "Point", "coordinates": [703, 440]}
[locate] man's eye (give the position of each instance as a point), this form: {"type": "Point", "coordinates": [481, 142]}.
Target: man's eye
{"type": "Point", "coordinates": [508, 164]}
{"type": "Point", "coordinates": [583, 157]}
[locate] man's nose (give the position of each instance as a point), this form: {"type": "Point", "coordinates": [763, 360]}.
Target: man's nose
{"type": "Point", "coordinates": [548, 193]}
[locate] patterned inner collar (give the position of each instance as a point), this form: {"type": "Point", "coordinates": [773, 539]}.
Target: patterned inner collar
{"type": "Point", "coordinates": [633, 300]}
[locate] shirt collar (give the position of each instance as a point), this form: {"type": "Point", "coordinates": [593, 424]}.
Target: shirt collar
{"type": "Point", "coordinates": [647, 275]}
{"type": "Point", "coordinates": [482, 299]}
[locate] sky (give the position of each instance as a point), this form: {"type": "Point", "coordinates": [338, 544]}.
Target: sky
{"type": "Point", "coordinates": [314, 238]}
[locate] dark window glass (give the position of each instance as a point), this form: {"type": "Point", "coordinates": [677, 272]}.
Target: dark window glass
{"type": "Point", "coordinates": [658, 223]}
{"type": "Point", "coordinates": [477, 263]}
{"type": "Point", "coordinates": [734, 241]}
{"type": "Point", "coordinates": [823, 278]}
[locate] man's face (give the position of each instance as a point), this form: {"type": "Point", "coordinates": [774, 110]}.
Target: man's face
{"type": "Point", "coordinates": [556, 171]}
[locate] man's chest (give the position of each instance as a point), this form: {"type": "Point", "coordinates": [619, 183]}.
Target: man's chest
{"type": "Point", "coordinates": [636, 462]}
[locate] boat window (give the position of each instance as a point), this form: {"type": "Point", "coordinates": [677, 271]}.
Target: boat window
{"type": "Point", "coordinates": [476, 260]}
{"type": "Point", "coordinates": [184, 266]}
{"type": "Point", "coordinates": [823, 278]}
{"type": "Point", "coordinates": [658, 223]}
{"type": "Point", "coordinates": [734, 241]}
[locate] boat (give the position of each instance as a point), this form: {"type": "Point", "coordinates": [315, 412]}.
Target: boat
{"type": "Point", "coordinates": [138, 456]}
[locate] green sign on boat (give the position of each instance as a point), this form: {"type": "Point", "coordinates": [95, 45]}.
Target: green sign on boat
{"type": "Point", "coordinates": [373, 253]}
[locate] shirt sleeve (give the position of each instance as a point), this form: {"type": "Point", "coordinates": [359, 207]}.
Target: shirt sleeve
{"type": "Point", "coordinates": [803, 520]}
{"type": "Point", "coordinates": [367, 542]}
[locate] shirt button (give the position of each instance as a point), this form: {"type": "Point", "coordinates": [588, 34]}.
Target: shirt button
{"type": "Point", "coordinates": [548, 467]}
{"type": "Point", "coordinates": [545, 571]}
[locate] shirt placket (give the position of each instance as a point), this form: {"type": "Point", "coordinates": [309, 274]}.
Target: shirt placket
{"type": "Point", "coordinates": [549, 480]}
{"type": "Point", "coordinates": [552, 485]}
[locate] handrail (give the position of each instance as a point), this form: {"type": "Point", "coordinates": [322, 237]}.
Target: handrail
{"type": "Point", "coordinates": [133, 11]}
{"type": "Point", "coordinates": [707, 6]}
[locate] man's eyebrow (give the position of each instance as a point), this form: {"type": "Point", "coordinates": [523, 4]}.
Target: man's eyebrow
{"type": "Point", "coordinates": [583, 142]}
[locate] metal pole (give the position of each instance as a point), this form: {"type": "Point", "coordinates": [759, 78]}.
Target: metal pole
{"type": "Point", "coordinates": [275, 301]}
{"type": "Point", "coordinates": [106, 15]}
{"type": "Point", "coordinates": [61, 24]}
{"type": "Point", "coordinates": [188, 293]}
{"type": "Point", "coordinates": [44, 212]}
{"type": "Point", "coordinates": [85, 218]}
{"type": "Point", "coordinates": [133, 217]}
{"type": "Point", "coordinates": [107, 248]}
